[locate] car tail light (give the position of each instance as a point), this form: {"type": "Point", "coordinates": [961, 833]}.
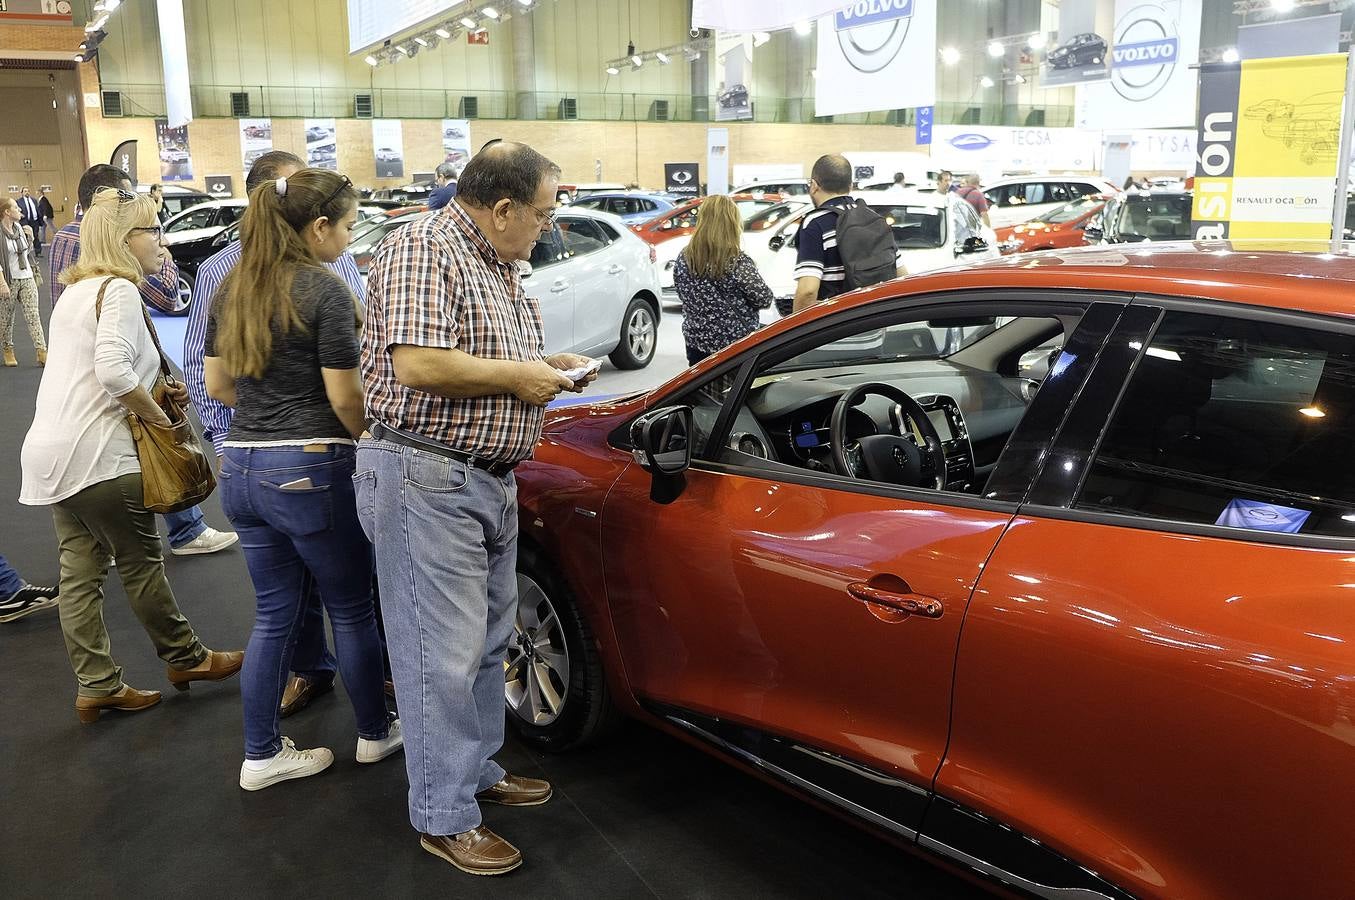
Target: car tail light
{"type": "Point", "coordinates": [653, 255]}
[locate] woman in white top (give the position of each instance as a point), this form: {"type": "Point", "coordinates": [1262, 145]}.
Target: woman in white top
{"type": "Point", "coordinates": [19, 280]}
{"type": "Point", "coordinates": [80, 459]}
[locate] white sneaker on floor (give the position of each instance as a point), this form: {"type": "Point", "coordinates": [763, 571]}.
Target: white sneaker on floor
{"type": "Point", "coordinates": [289, 763]}
{"type": "Point", "coordinates": [375, 751]}
{"type": "Point", "coordinates": [210, 541]}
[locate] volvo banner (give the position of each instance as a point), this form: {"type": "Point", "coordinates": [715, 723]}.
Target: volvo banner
{"type": "Point", "coordinates": [1153, 79]}
{"type": "Point", "coordinates": [1267, 146]}
{"type": "Point", "coordinates": [876, 54]}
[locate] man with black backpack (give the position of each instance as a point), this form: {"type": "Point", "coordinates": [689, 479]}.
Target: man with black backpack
{"type": "Point", "coordinates": [842, 244]}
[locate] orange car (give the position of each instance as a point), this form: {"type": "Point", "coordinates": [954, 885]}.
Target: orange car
{"type": "Point", "coordinates": [1060, 227]}
{"type": "Point", "coordinates": [681, 219]}
{"type": "Point", "coordinates": [1041, 566]}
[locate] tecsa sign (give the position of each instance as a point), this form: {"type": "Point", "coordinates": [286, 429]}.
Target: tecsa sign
{"type": "Point", "coordinates": [995, 150]}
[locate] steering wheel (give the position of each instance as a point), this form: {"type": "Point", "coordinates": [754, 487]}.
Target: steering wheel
{"type": "Point", "coordinates": [893, 458]}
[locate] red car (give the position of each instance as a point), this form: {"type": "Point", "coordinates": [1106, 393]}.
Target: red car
{"type": "Point", "coordinates": [1040, 566]}
{"type": "Point", "coordinates": [681, 219]}
{"type": "Point", "coordinates": [1060, 227]}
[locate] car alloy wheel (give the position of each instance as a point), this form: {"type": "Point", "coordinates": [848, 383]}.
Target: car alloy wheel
{"type": "Point", "coordinates": [183, 298]}
{"type": "Point", "coordinates": [640, 332]}
{"type": "Point", "coordinates": [536, 667]}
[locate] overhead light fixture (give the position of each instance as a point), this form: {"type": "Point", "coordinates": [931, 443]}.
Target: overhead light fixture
{"type": "Point", "coordinates": [110, 5]}
{"type": "Point", "coordinates": [79, 57]}
{"type": "Point", "coordinates": [1036, 40]}
{"type": "Point", "coordinates": [691, 53]}
{"type": "Point", "coordinates": [372, 60]}
{"type": "Point", "coordinates": [950, 56]}
{"type": "Point", "coordinates": [97, 24]}
{"type": "Point", "coordinates": [814, 73]}
{"type": "Point", "coordinates": [1313, 412]}
{"type": "Point", "coordinates": [525, 2]}
{"type": "Point", "coordinates": [467, 22]}
{"type": "Point", "coordinates": [803, 28]}
{"type": "Point", "coordinates": [1282, 6]}
{"type": "Point", "coordinates": [635, 59]}
{"type": "Point", "coordinates": [1231, 55]}
{"type": "Point", "coordinates": [421, 41]}
{"type": "Point", "coordinates": [1018, 78]}
{"type": "Point", "coordinates": [986, 81]}
{"type": "Point", "coordinates": [613, 70]}
{"type": "Point", "coordinates": [995, 49]}
{"type": "Point", "coordinates": [98, 6]}
{"type": "Point", "coordinates": [403, 49]}
{"type": "Point", "coordinates": [490, 12]}
{"type": "Point", "coordinates": [760, 38]}
{"type": "Point", "coordinates": [442, 33]}
{"type": "Point", "coordinates": [662, 57]}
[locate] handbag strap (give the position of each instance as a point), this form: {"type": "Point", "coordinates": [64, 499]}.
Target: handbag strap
{"type": "Point", "coordinates": [150, 326]}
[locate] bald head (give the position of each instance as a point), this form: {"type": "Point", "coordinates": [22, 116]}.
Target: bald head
{"type": "Point", "coordinates": [505, 170]}
{"type": "Point", "coordinates": [833, 174]}
{"type": "Point", "coordinates": [972, 180]}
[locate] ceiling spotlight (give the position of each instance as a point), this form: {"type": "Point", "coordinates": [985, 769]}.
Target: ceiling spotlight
{"type": "Point", "coordinates": [98, 6]}
{"type": "Point", "coordinates": [1231, 55]}
{"type": "Point", "coordinates": [691, 53]}
{"type": "Point", "coordinates": [1036, 40]}
{"type": "Point", "coordinates": [1018, 78]}
{"type": "Point", "coordinates": [803, 28]}
{"type": "Point", "coordinates": [110, 5]}
{"type": "Point", "coordinates": [490, 12]}
{"type": "Point", "coordinates": [79, 57]}
{"type": "Point", "coordinates": [814, 73]}
{"type": "Point", "coordinates": [442, 33]}
{"type": "Point", "coordinates": [372, 60]}
{"type": "Point", "coordinates": [1282, 6]}
{"type": "Point", "coordinates": [468, 22]}
{"type": "Point", "coordinates": [403, 49]}
{"type": "Point", "coordinates": [637, 61]}
{"type": "Point", "coordinates": [662, 57]}
{"type": "Point", "coordinates": [950, 56]}
{"type": "Point", "coordinates": [97, 24]}
{"type": "Point", "coordinates": [525, 2]}
{"type": "Point", "coordinates": [421, 41]}
{"type": "Point", "coordinates": [986, 81]}
{"type": "Point", "coordinates": [613, 70]}
{"type": "Point", "coordinates": [995, 49]}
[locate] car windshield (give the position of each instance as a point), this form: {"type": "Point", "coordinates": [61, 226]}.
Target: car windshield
{"type": "Point", "coordinates": [914, 340]}
{"type": "Point", "coordinates": [1069, 211]}
{"type": "Point", "coordinates": [750, 208]}
{"type": "Point", "coordinates": [1145, 217]}
{"type": "Point", "coordinates": [915, 227]}
{"type": "Point", "coordinates": [764, 219]}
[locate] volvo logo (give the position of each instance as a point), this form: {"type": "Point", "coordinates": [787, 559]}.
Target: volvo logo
{"type": "Point", "coordinates": [872, 32]}
{"type": "Point", "coordinates": [1145, 53]}
{"type": "Point", "coordinates": [970, 141]}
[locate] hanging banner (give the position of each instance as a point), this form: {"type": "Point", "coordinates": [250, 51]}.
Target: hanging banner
{"type": "Point", "coordinates": [922, 134]}
{"type": "Point", "coordinates": [1153, 80]}
{"type": "Point", "coordinates": [256, 139]}
{"type": "Point", "coordinates": [175, 162]}
{"type": "Point", "coordinates": [174, 61]}
{"type": "Point", "coordinates": [1269, 132]}
{"type": "Point", "coordinates": [322, 151]}
{"type": "Point", "coordinates": [734, 58]}
{"type": "Point", "coordinates": [766, 15]}
{"type": "Point", "coordinates": [1082, 52]}
{"type": "Point", "coordinates": [124, 158]}
{"type": "Point", "coordinates": [682, 179]}
{"type": "Point", "coordinates": [992, 150]}
{"type": "Point", "coordinates": [876, 55]}
{"type": "Point", "coordinates": [456, 143]}
{"type": "Point", "coordinates": [388, 148]}
{"type": "Point", "coordinates": [1162, 151]}
{"type": "Point", "coordinates": [717, 160]}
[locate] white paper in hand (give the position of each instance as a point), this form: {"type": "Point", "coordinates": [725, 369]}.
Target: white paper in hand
{"type": "Point", "coordinates": [582, 371]}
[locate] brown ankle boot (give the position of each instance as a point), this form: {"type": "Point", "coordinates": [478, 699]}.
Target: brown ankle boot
{"type": "Point", "coordinates": [42, 358]}
{"type": "Point", "coordinates": [9, 358]}
{"type": "Point", "coordinates": [129, 699]}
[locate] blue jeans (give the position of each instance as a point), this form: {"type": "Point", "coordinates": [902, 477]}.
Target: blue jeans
{"type": "Point", "coordinates": [297, 541]}
{"type": "Point", "coordinates": [9, 580]}
{"type": "Point", "coordinates": [446, 538]}
{"type": "Point", "coordinates": [184, 527]}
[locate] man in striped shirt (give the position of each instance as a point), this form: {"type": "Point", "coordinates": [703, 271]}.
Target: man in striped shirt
{"type": "Point", "coordinates": [819, 273]}
{"type": "Point", "coordinates": [313, 666]}
{"type": "Point", "coordinates": [456, 379]}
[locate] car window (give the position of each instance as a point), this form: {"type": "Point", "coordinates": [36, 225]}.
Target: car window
{"type": "Point", "coordinates": [548, 250]}
{"type": "Point", "coordinates": [581, 235]}
{"type": "Point", "coordinates": [1007, 195]}
{"type": "Point", "coordinates": [1237, 423]}
{"type": "Point", "coordinates": [750, 208]}
{"type": "Point", "coordinates": [1056, 192]}
{"type": "Point", "coordinates": [1154, 218]}
{"type": "Point", "coordinates": [915, 227]}
{"type": "Point", "coordinates": [647, 205]}
{"type": "Point", "coordinates": [590, 203]}
{"type": "Point", "coordinates": [686, 219]}
{"type": "Point", "coordinates": [608, 233]}
{"type": "Point", "coordinates": [198, 218]}
{"type": "Point", "coordinates": [230, 215]}
{"type": "Point", "coordinates": [1082, 188]}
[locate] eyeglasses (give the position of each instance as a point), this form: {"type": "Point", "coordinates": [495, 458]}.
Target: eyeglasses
{"type": "Point", "coordinates": [156, 230]}
{"type": "Point", "coordinates": [546, 217]}
{"type": "Point", "coordinates": [337, 191]}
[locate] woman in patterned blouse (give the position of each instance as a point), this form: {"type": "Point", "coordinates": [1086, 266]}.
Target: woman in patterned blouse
{"type": "Point", "coordinates": [718, 284]}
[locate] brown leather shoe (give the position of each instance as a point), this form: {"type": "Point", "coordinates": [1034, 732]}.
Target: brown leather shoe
{"type": "Point", "coordinates": [478, 851]}
{"type": "Point", "coordinates": [129, 699]}
{"type": "Point", "coordinates": [218, 665]}
{"type": "Point", "coordinates": [516, 790]}
{"type": "Point", "coordinates": [300, 692]}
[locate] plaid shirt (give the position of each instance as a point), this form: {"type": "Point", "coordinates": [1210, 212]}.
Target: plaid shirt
{"type": "Point", "coordinates": [160, 291]}
{"type": "Point", "coordinates": [440, 283]}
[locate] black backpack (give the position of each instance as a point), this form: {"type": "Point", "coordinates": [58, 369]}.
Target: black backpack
{"type": "Point", "coordinates": [865, 242]}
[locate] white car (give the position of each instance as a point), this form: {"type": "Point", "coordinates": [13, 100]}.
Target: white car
{"type": "Point", "coordinates": [792, 187]}
{"type": "Point", "coordinates": [932, 231]}
{"type": "Point", "coordinates": [204, 220]}
{"type": "Point", "coordinates": [1017, 200]}
{"type": "Point", "coordinates": [387, 154]}
{"type": "Point", "coordinates": [755, 210]}
{"type": "Point", "coordinates": [598, 288]}
{"type": "Point", "coordinates": [173, 155]}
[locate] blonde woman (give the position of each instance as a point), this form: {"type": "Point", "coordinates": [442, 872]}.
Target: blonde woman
{"type": "Point", "coordinates": [719, 285]}
{"type": "Point", "coordinates": [79, 458]}
{"type": "Point", "coordinates": [19, 285]}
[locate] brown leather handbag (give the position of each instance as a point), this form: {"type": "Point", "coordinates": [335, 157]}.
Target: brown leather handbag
{"type": "Point", "coordinates": [175, 473]}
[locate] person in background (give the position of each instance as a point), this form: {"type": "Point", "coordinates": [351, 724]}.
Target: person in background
{"type": "Point", "coordinates": [945, 182]}
{"type": "Point", "coordinates": [718, 284]}
{"type": "Point", "coordinates": [46, 217]}
{"type": "Point", "coordinates": [18, 598]}
{"type": "Point", "coordinates": [819, 273]}
{"type": "Point", "coordinates": [313, 664]}
{"type": "Point", "coordinates": [189, 534]}
{"type": "Point", "coordinates": [158, 195]}
{"type": "Point", "coordinates": [79, 458]}
{"type": "Point", "coordinates": [899, 180]}
{"type": "Point", "coordinates": [972, 194]}
{"type": "Point", "coordinates": [282, 350]}
{"type": "Point", "coordinates": [445, 176]}
{"type": "Point", "coordinates": [19, 281]}
{"type": "Point", "coordinates": [31, 217]}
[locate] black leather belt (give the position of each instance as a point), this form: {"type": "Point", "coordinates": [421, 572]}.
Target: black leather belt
{"type": "Point", "coordinates": [384, 432]}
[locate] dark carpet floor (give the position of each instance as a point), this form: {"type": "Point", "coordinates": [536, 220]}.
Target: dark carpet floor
{"type": "Point", "coordinates": [148, 806]}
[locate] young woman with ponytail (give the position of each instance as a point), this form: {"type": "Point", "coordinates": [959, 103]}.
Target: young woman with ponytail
{"type": "Point", "coordinates": [282, 348]}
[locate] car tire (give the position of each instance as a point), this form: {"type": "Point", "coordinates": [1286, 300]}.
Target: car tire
{"type": "Point", "coordinates": [549, 620]}
{"type": "Point", "coordinates": [187, 284]}
{"type": "Point", "coordinates": [639, 336]}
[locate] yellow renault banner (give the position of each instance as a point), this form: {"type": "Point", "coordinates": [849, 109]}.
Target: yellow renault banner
{"type": "Point", "coordinates": [1269, 138]}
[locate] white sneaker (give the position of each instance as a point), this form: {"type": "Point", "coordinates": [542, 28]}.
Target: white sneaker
{"type": "Point", "coordinates": [289, 763]}
{"type": "Point", "coordinates": [375, 751]}
{"type": "Point", "coordinates": [209, 541]}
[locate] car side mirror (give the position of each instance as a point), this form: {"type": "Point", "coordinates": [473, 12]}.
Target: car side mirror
{"type": "Point", "coordinates": [777, 242]}
{"type": "Point", "coordinates": [971, 245]}
{"type": "Point", "coordinates": [663, 440]}
{"type": "Point", "coordinates": [524, 269]}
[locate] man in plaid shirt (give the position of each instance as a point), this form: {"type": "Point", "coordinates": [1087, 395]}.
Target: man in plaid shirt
{"type": "Point", "coordinates": [456, 381]}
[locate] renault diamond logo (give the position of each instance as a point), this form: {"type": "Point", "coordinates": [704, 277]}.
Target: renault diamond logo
{"type": "Point", "coordinates": [872, 32]}
{"type": "Point", "coordinates": [1145, 53]}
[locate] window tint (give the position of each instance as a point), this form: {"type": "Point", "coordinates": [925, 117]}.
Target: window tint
{"type": "Point", "coordinates": [1057, 192]}
{"type": "Point", "coordinates": [914, 227]}
{"type": "Point", "coordinates": [198, 218]}
{"type": "Point", "coordinates": [647, 205]}
{"type": "Point", "coordinates": [609, 233]}
{"type": "Point", "coordinates": [1155, 218]}
{"type": "Point", "coordinates": [1229, 422]}
{"type": "Point", "coordinates": [230, 214]}
{"type": "Point", "coordinates": [581, 235]}
{"type": "Point", "coordinates": [548, 250]}
{"type": "Point", "coordinates": [1081, 188]}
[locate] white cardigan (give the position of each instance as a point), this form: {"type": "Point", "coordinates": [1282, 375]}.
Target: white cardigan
{"type": "Point", "coordinates": [80, 435]}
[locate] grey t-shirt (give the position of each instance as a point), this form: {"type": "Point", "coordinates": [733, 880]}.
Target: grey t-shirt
{"type": "Point", "coordinates": [289, 403]}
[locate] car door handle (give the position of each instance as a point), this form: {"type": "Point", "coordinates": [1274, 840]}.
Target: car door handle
{"type": "Point", "coordinates": [615, 269]}
{"type": "Point", "coordinates": [914, 604]}
{"type": "Point", "coordinates": [559, 285]}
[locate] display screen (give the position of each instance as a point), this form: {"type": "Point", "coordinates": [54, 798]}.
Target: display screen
{"type": "Point", "coordinates": [941, 423]}
{"type": "Point", "coordinates": [805, 436]}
